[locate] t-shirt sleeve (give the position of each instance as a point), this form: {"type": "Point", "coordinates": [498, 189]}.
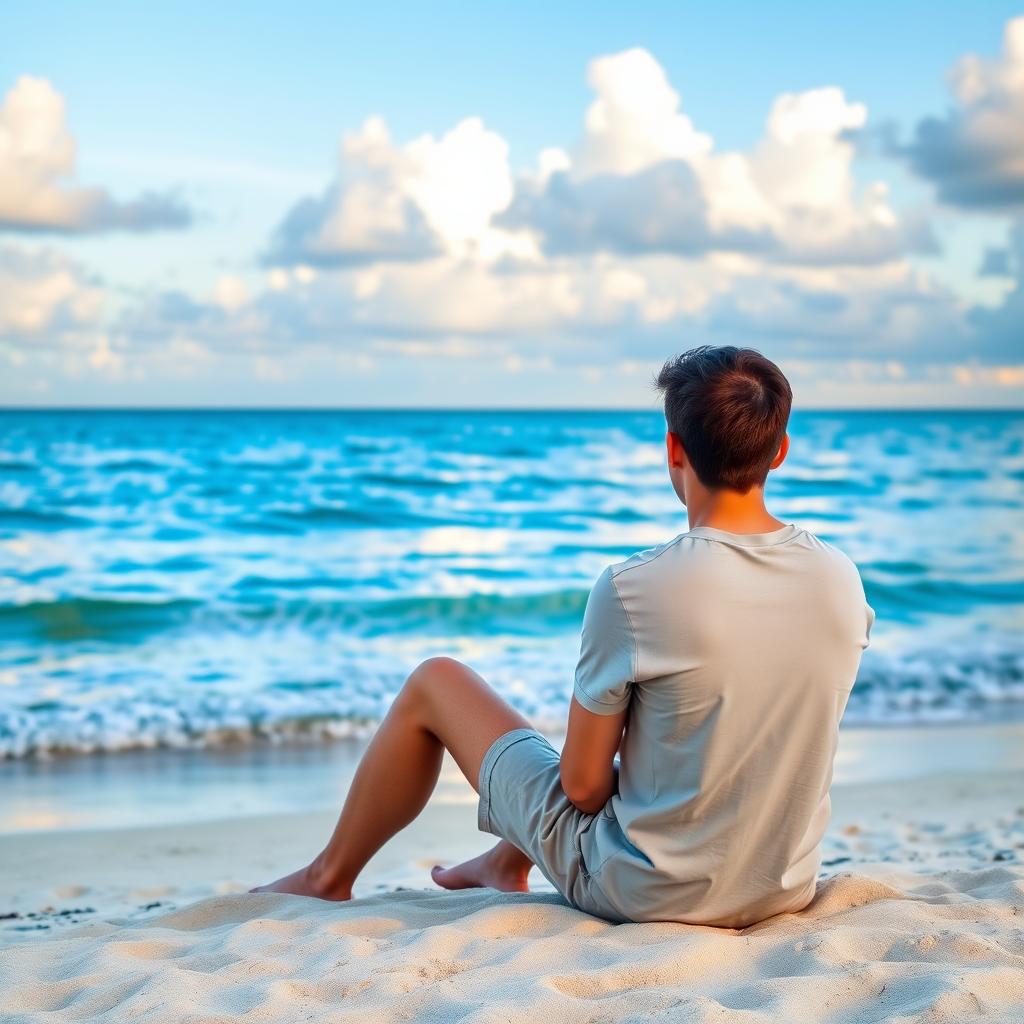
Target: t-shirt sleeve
{"type": "Point", "coordinates": [607, 663]}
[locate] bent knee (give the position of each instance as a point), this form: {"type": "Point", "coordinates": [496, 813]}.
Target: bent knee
{"type": "Point", "coordinates": [438, 667]}
{"type": "Point", "coordinates": [434, 673]}
{"type": "Point", "coordinates": [439, 663]}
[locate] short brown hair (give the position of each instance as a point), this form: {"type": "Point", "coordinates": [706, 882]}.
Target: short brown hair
{"type": "Point", "coordinates": [729, 407]}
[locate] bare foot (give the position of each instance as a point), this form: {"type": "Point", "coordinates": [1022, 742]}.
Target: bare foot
{"type": "Point", "coordinates": [502, 867]}
{"type": "Point", "coordinates": [307, 881]}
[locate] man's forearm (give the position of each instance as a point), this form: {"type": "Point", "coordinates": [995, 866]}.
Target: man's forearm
{"type": "Point", "coordinates": [587, 765]}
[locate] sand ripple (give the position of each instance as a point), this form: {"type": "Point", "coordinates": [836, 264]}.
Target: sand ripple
{"type": "Point", "coordinates": [884, 944]}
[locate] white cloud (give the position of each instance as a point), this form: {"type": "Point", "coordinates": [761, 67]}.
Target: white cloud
{"type": "Point", "coordinates": [975, 154]}
{"type": "Point", "coordinates": [430, 197]}
{"type": "Point", "coordinates": [37, 165]}
{"type": "Point", "coordinates": [42, 295]}
{"type": "Point", "coordinates": [799, 176]}
{"type": "Point", "coordinates": [643, 179]}
{"type": "Point", "coordinates": [635, 121]}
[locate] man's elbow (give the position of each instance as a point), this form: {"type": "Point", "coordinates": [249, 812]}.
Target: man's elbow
{"type": "Point", "coordinates": [588, 797]}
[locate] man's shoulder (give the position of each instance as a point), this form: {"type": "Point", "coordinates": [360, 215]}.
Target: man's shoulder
{"type": "Point", "coordinates": [670, 555]}
{"type": "Point", "coordinates": [830, 552]}
{"type": "Point", "coordinates": [649, 558]}
{"type": "Point", "coordinates": [657, 576]}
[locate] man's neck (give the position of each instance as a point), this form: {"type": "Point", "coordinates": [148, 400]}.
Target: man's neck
{"type": "Point", "coordinates": [731, 511]}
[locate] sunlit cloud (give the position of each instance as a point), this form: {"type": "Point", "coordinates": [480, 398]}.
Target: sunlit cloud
{"type": "Point", "coordinates": [643, 179]}
{"type": "Point", "coordinates": [37, 168]}
{"type": "Point", "coordinates": [427, 198]}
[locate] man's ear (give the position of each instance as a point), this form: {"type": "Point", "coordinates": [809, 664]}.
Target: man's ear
{"type": "Point", "coordinates": [676, 452]}
{"type": "Point", "coordinates": [781, 454]}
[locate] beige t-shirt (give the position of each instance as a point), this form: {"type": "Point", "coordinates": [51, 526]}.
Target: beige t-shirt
{"type": "Point", "coordinates": [736, 654]}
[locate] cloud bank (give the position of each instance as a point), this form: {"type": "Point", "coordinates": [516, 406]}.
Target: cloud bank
{"type": "Point", "coordinates": [434, 257]}
{"type": "Point", "coordinates": [640, 180]}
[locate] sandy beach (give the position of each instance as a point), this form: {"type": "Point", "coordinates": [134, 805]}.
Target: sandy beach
{"type": "Point", "coordinates": [380, 380]}
{"type": "Point", "coordinates": [919, 916]}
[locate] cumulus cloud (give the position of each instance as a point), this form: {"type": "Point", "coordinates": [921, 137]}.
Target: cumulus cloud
{"type": "Point", "coordinates": [657, 209]}
{"type": "Point", "coordinates": [427, 198]}
{"type": "Point", "coordinates": [37, 165]}
{"type": "Point", "coordinates": [43, 296]}
{"type": "Point", "coordinates": [975, 154]}
{"type": "Point", "coordinates": [643, 179]}
{"type": "Point", "coordinates": [635, 121]}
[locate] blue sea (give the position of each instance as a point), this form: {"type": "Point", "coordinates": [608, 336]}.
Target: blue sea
{"type": "Point", "coordinates": [181, 579]}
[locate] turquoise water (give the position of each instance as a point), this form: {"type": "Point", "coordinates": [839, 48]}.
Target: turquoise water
{"type": "Point", "coordinates": [194, 578]}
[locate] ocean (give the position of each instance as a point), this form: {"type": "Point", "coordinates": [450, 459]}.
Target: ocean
{"type": "Point", "coordinates": [205, 579]}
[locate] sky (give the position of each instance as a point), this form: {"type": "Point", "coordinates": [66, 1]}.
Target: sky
{"type": "Point", "coordinates": [468, 205]}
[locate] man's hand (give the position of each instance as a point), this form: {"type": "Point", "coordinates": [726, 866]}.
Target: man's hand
{"type": "Point", "coordinates": [588, 771]}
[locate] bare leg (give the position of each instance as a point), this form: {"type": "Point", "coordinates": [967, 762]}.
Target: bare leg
{"type": "Point", "coordinates": [444, 704]}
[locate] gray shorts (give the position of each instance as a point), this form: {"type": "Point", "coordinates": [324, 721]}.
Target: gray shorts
{"type": "Point", "coordinates": [522, 800]}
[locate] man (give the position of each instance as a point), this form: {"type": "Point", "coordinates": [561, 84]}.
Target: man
{"type": "Point", "coordinates": [717, 664]}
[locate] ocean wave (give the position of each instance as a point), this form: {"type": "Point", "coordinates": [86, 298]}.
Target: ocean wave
{"type": "Point", "coordinates": [933, 594]}
{"type": "Point", "coordinates": [937, 684]}
{"type": "Point", "coordinates": [39, 519]}
{"type": "Point", "coordinates": [322, 601]}
{"type": "Point", "coordinates": [77, 618]}
{"type": "Point", "coordinates": [976, 683]}
{"type": "Point", "coordinates": [153, 720]}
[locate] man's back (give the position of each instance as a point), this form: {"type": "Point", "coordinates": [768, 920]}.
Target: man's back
{"type": "Point", "coordinates": [736, 654]}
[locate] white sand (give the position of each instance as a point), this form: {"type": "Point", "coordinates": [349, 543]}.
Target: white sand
{"type": "Point", "coordinates": [922, 919]}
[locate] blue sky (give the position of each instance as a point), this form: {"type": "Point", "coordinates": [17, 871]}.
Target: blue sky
{"type": "Point", "coordinates": [180, 223]}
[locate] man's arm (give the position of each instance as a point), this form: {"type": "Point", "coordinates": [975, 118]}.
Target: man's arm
{"type": "Point", "coordinates": [587, 767]}
{"type": "Point", "coordinates": [602, 690]}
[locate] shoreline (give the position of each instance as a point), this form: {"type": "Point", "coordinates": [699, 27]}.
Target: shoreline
{"type": "Point", "coordinates": [172, 786]}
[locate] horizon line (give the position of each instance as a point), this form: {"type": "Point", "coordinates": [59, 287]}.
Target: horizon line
{"type": "Point", "coordinates": [473, 409]}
